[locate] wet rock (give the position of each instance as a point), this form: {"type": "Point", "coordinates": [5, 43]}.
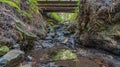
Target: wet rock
{"type": "Point", "coordinates": [50, 41]}
{"type": "Point", "coordinates": [12, 58]}
{"type": "Point", "coordinates": [47, 45]}
{"type": "Point", "coordinates": [60, 33]}
{"type": "Point", "coordinates": [43, 44]}
{"type": "Point", "coordinates": [29, 58]}
{"type": "Point", "coordinates": [59, 38]}
{"type": "Point", "coordinates": [37, 45]}
{"type": "Point", "coordinates": [48, 38]}
{"type": "Point", "coordinates": [17, 46]}
{"type": "Point", "coordinates": [3, 50]}
{"type": "Point", "coordinates": [66, 33]}
{"type": "Point", "coordinates": [71, 41]}
{"type": "Point", "coordinates": [51, 34]}
{"type": "Point", "coordinates": [65, 40]}
{"type": "Point", "coordinates": [3, 62]}
{"type": "Point", "coordinates": [52, 64]}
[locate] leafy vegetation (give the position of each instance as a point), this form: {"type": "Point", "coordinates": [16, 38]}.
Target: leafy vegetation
{"type": "Point", "coordinates": [11, 3]}
{"type": "Point", "coordinates": [33, 6]}
{"type": "Point", "coordinates": [56, 17]}
{"type": "Point", "coordinates": [25, 32]}
{"type": "Point", "coordinates": [16, 3]}
{"type": "Point", "coordinates": [69, 17]}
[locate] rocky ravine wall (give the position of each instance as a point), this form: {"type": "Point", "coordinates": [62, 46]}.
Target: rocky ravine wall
{"type": "Point", "coordinates": [16, 27]}
{"type": "Point", "coordinates": [99, 24]}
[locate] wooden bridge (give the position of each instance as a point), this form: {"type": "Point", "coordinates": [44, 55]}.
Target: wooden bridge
{"type": "Point", "coordinates": [58, 6]}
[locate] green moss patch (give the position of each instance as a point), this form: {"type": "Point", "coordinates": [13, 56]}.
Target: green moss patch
{"type": "Point", "coordinates": [64, 55]}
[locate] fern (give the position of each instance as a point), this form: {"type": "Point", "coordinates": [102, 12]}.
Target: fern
{"type": "Point", "coordinates": [25, 32]}
{"type": "Point", "coordinates": [33, 6]}
{"type": "Point", "coordinates": [13, 4]}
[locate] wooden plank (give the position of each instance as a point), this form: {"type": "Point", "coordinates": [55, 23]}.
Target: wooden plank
{"type": "Point", "coordinates": [57, 5]}
{"type": "Point", "coordinates": [68, 11]}
{"type": "Point", "coordinates": [57, 2]}
{"type": "Point", "coordinates": [60, 9]}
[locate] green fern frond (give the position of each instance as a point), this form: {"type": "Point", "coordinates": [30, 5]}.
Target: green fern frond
{"type": "Point", "coordinates": [10, 3]}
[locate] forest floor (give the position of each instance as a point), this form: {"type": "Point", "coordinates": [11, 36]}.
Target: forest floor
{"type": "Point", "coordinates": [60, 38]}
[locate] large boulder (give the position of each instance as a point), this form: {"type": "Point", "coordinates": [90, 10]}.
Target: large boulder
{"type": "Point", "coordinates": [11, 59]}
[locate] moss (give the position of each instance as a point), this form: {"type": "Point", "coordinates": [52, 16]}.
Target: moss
{"type": "Point", "coordinates": [3, 50]}
{"type": "Point", "coordinates": [15, 3]}
{"type": "Point", "coordinates": [64, 55]}
{"type": "Point", "coordinates": [56, 17]}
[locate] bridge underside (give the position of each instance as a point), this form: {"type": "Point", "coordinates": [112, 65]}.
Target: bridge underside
{"type": "Point", "coordinates": [58, 6]}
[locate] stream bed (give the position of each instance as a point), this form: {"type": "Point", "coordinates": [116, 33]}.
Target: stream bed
{"type": "Point", "coordinates": [60, 38]}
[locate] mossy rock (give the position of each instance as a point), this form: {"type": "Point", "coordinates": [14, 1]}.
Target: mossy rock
{"type": "Point", "coordinates": [3, 50]}
{"type": "Point", "coordinates": [64, 55]}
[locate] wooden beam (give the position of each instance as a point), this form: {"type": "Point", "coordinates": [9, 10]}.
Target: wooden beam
{"type": "Point", "coordinates": [67, 11]}
{"type": "Point", "coordinates": [56, 9]}
{"type": "Point", "coordinates": [57, 5]}
{"type": "Point", "coordinates": [57, 2]}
